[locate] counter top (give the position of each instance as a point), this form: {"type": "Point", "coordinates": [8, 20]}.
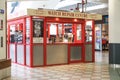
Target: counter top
{"type": "Point", "coordinates": [63, 43]}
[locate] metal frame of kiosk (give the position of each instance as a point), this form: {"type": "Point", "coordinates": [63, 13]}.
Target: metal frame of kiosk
{"type": "Point", "coordinates": [39, 40]}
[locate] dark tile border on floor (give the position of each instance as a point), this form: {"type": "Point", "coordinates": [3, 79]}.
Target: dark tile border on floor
{"type": "Point", "coordinates": [114, 73]}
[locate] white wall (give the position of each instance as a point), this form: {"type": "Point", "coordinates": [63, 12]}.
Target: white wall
{"type": "Point", "coordinates": [103, 1]}
{"type": "Point", "coordinates": [3, 31]}
{"type": "Point", "coordinates": [114, 21]}
{"type": "Point", "coordinates": [21, 8]}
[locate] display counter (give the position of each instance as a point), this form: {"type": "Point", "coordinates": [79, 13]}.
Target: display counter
{"type": "Point", "coordinates": [57, 54]}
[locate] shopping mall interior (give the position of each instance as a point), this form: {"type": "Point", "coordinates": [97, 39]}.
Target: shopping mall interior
{"type": "Point", "coordinates": [59, 40]}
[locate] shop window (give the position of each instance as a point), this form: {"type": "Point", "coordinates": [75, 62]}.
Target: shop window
{"type": "Point", "coordinates": [58, 32]}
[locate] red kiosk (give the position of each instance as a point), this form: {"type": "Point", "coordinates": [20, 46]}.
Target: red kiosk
{"type": "Point", "coordinates": [49, 37]}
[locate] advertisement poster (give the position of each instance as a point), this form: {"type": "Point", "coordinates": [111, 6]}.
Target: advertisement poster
{"type": "Point", "coordinates": [1, 24]}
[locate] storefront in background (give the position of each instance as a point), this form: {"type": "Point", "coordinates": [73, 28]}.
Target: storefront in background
{"type": "Point", "coordinates": [49, 37]}
{"type": "Point", "coordinates": [101, 34]}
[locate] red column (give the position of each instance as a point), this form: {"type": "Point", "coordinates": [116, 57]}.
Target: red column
{"type": "Point", "coordinates": [31, 42]}
{"type": "Point", "coordinates": [83, 40]}
{"type": "Point", "coordinates": [93, 41]}
{"type": "Point", "coordinates": [8, 41]}
{"type": "Point", "coordinates": [24, 39]}
{"type": "Point", "coordinates": [45, 44]}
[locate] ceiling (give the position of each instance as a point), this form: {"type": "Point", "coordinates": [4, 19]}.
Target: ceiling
{"type": "Point", "coordinates": [92, 6]}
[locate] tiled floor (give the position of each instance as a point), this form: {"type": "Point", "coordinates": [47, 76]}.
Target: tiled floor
{"type": "Point", "coordinates": [82, 71]}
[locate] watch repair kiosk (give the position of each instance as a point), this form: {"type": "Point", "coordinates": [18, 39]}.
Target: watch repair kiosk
{"type": "Point", "coordinates": [49, 37]}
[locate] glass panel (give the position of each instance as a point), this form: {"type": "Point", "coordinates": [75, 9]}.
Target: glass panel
{"type": "Point", "coordinates": [58, 32]}
{"type": "Point", "coordinates": [12, 34]}
{"type": "Point", "coordinates": [16, 33]}
{"type": "Point", "coordinates": [20, 54]}
{"type": "Point", "coordinates": [79, 32]}
{"type": "Point", "coordinates": [27, 30]}
{"type": "Point", "coordinates": [59, 29]}
{"type": "Point", "coordinates": [88, 29]}
{"type": "Point", "coordinates": [52, 32]}
{"type": "Point", "coordinates": [53, 29]}
{"type": "Point", "coordinates": [12, 52]}
{"type": "Point", "coordinates": [59, 37]}
{"type": "Point", "coordinates": [98, 40]}
{"type": "Point", "coordinates": [68, 35]}
{"type": "Point", "coordinates": [19, 33]}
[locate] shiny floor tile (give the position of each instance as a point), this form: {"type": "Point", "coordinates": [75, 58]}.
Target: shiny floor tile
{"type": "Point", "coordinates": [80, 71]}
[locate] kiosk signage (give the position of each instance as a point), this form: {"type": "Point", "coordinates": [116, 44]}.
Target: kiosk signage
{"type": "Point", "coordinates": [63, 14]}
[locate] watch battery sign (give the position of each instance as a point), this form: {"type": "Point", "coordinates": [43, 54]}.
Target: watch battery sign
{"type": "Point", "coordinates": [1, 11]}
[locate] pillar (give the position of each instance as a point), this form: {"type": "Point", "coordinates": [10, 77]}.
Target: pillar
{"type": "Point", "coordinates": [3, 26]}
{"type": "Point", "coordinates": [114, 31]}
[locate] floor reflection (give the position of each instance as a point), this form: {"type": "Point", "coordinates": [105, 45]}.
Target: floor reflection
{"type": "Point", "coordinates": [80, 71]}
{"type": "Point", "coordinates": [102, 57]}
